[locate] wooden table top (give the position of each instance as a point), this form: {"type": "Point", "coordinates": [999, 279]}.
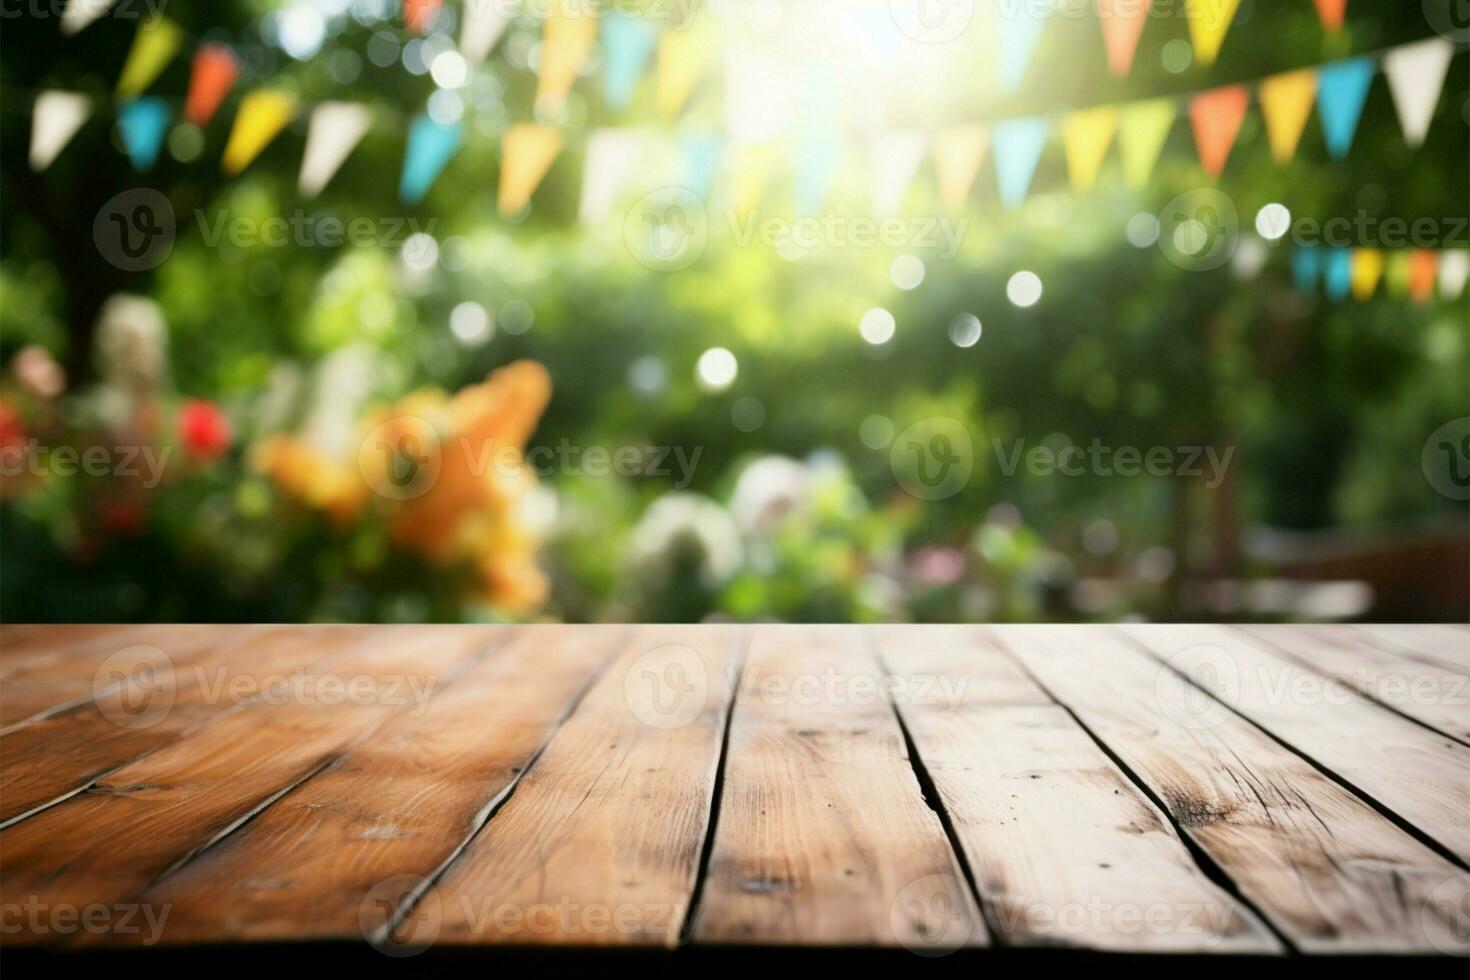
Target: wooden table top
{"type": "Point", "coordinates": [1267, 791]}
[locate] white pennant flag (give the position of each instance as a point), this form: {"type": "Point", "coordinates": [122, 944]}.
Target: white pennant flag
{"type": "Point", "coordinates": [79, 13]}
{"type": "Point", "coordinates": [613, 155]}
{"type": "Point", "coordinates": [336, 128]}
{"type": "Point", "coordinates": [896, 158]}
{"type": "Point", "coordinates": [1416, 75]}
{"type": "Point", "coordinates": [484, 22]}
{"type": "Point", "coordinates": [57, 118]}
{"type": "Point", "coordinates": [1454, 269]}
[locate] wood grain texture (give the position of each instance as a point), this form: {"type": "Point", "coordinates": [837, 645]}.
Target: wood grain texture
{"type": "Point", "coordinates": [1064, 847]}
{"type": "Point", "coordinates": [112, 841]}
{"type": "Point", "coordinates": [600, 844]}
{"type": "Point", "coordinates": [823, 834]}
{"type": "Point", "coordinates": [1420, 775]}
{"type": "Point", "coordinates": [342, 851]}
{"type": "Point", "coordinates": [53, 757]}
{"type": "Point", "coordinates": [1431, 695]}
{"type": "Point", "coordinates": [1442, 646]}
{"type": "Point", "coordinates": [1332, 874]}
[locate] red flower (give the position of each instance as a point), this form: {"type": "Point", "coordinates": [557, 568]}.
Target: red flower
{"type": "Point", "coordinates": [204, 429]}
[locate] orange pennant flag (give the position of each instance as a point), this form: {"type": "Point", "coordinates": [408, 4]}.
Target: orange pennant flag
{"type": "Point", "coordinates": [1216, 117]}
{"type": "Point", "coordinates": [1286, 102]}
{"type": "Point", "coordinates": [1122, 26]}
{"type": "Point", "coordinates": [216, 66]}
{"type": "Point", "coordinates": [419, 14]}
{"type": "Point", "coordinates": [1332, 13]}
{"type": "Point", "coordinates": [1422, 269]}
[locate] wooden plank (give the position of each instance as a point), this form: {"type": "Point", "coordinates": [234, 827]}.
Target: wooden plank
{"type": "Point", "coordinates": [1330, 872]}
{"type": "Point", "coordinates": [1442, 646]}
{"type": "Point", "coordinates": [111, 841]}
{"type": "Point", "coordinates": [53, 757]}
{"type": "Point", "coordinates": [1064, 848]}
{"type": "Point", "coordinates": [360, 837]}
{"type": "Point", "coordinates": [1420, 775]}
{"type": "Point", "coordinates": [600, 845]}
{"type": "Point", "coordinates": [823, 835]}
{"type": "Point", "coordinates": [1432, 695]}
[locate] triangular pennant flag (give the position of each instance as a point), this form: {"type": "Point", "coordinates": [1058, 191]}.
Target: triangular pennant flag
{"type": "Point", "coordinates": [484, 23]}
{"type": "Point", "coordinates": [1086, 136]}
{"type": "Point", "coordinates": [958, 153]}
{"type": "Point", "coordinates": [896, 158]}
{"type": "Point", "coordinates": [701, 156]}
{"type": "Point", "coordinates": [1416, 74]}
{"type": "Point", "coordinates": [1018, 28]}
{"type": "Point", "coordinates": [568, 36]}
{"type": "Point", "coordinates": [750, 171]}
{"type": "Point", "coordinates": [1216, 117]}
{"type": "Point", "coordinates": [261, 118]}
{"type": "Point", "coordinates": [79, 13]}
{"type": "Point", "coordinates": [1122, 26]}
{"type": "Point", "coordinates": [1342, 88]}
{"type": "Point", "coordinates": [1454, 269]}
{"type": "Point", "coordinates": [216, 66]}
{"type": "Point", "coordinates": [526, 153]}
{"type": "Point", "coordinates": [419, 15]}
{"type": "Point", "coordinates": [55, 120]}
{"type": "Point", "coordinates": [1337, 274]}
{"type": "Point", "coordinates": [1017, 148]}
{"type": "Point", "coordinates": [431, 145]}
{"type": "Point", "coordinates": [816, 162]}
{"type": "Point", "coordinates": [1143, 127]}
{"type": "Point", "coordinates": [1209, 22]}
{"type": "Point", "coordinates": [627, 44]}
{"type": "Point", "coordinates": [154, 46]}
{"type": "Point", "coordinates": [1306, 267]}
{"type": "Point", "coordinates": [1332, 13]}
{"type": "Point", "coordinates": [143, 123]}
{"type": "Point", "coordinates": [613, 155]}
{"type": "Point", "coordinates": [1367, 271]}
{"type": "Point", "coordinates": [335, 130]}
{"type": "Point", "coordinates": [1422, 266]}
{"type": "Point", "coordinates": [1286, 102]}
{"type": "Point", "coordinates": [1397, 272]}
{"type": "Point", "coordinates": [681, 58]}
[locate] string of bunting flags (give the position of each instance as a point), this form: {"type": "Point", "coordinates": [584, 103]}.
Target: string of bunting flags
{"type": "Point", "coordinates": [1341, 272]}
{"type": "Point", "coordinates": [1338, 90]}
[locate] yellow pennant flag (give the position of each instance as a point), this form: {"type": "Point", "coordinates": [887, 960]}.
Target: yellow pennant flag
{"type": "Point", "coordinates": [751, 170]}
{"type": "Point", "coordinates": [569, 35]}
{"type": "Point", "coordinates": [958, 152]}
{"type": "Point", "coordinates": [1142, 129]}
{"type": "Point", "coordinates": [1367, 270]}
{"type": "Point", "coordinates": [1286, 102]}
{"type": "Point", "coordinates": [1209, 22]}
{"type": "Point", "coordinates": [526, 153]}
{"type": "Point", "coordinates": [1086, 136]}
{"type": "Point", "coordinates": [681, 59]}
{"type": "Point", "coordinates": [155, 45]}
{"type": "Point", "coordinates": [261, 118]}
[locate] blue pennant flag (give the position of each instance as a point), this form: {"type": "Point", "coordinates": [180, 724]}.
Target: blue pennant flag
{"type": "Point", "coordinates": [431, 146]}
{"type": "Point", "coordinates": [1018, 28]}
{"type": "Point", "coordinates": [1306, 267]}
{"type": "Point", "coordinates": [701, 158]}
{"type": "Point", "coordinates": [627, 43]}
{"type": "Point", "coordinates": [1017, 149]}
{"type": "Point", "coordinates": [1338, 278]}
{"type": "Point", "coordinates": [1342, 88]}
{"type": "Point", "coordinates": [143, 124]}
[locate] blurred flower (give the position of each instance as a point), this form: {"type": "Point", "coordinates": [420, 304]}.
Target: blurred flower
{"type": "Point", "coordinates": [937, 566]}
{"type": "Point", "coordinates": [683, 529]}
{"type": "Point", "coordinates": [38, 373]}
{"type": "Point", "coordinates": [204, 429]}
{"type": "Point", "coordinates": [770, 490]}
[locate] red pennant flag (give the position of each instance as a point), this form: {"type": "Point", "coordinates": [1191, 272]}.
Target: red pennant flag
{"type": "Point", "coordinates": [1122, 26]}
{"type": "Point", "coordinates": [1216, 117]}
{"type": "Point", "coordinates": [420, 14]}
{"type": "Point", "coordinates": [1332, 13]}
{"type": "Point", "coordinates": [216, 66]}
